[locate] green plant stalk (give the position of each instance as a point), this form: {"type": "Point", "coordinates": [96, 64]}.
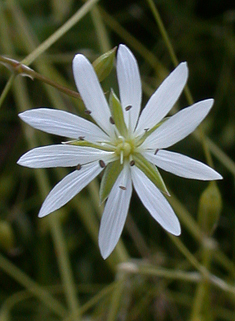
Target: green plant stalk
{"type": "Point", "coordinates": [20, 69]}
{"type": "Point", "coordinates": [176, 62]}
{"type": "Point", "coordinates": [66, 273]}
{"type": "Point", "coordinates": [44, 296]}
{"type": "Point", "coordinates": [95, 299]}
{"type": "Point", "coordinates": [117, 296]}
{"type": "Point", "coordinates": [201, 305]}
{"type": "Point", "coordinates": [58, 238]}
{"type": "Point", "coordinates": [6, 89]}
{"type": "Point", "coordinates": [60, 32]}
{"type": "Point", "coordinates": [134, 43]}
{"type": "Point", "coordinates": [100, 29]}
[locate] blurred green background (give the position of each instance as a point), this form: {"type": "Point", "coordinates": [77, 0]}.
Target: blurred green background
{"type": "Point", "coordinates": [52, 266]}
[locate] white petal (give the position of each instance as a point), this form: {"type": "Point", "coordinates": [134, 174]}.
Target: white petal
{"type": "Point", "coordinates": [129, 85]}
{"type": "Point", "coordinates": [61, 156]}
{"type": "Point", "coordinates": [179, 126]}
{"type": "Point", "coordinates": [163, 99]}
{"type": "Point", "coordinates": [115, 213]}
{"type": "Point", "coordinates": [90, 90]}
{"type": "Point", "coordinates": [155, 202]}
{"type": "Point", "coordinates": [68, 187]}
{"type": "Point", "coordinates": [181, 165]}
{"type": "Point", "coordinates": [62, 123]}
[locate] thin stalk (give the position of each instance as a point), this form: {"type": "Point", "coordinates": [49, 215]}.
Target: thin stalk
{"type": "Point", "coordinates": [100, 29]}
{"type": "Point", "coordinates": [60, 32]}
{"type": "Point", "coordinates": [117, 296]}
{"type": "Point", "coordinates": [176, 62]}
{"type": "Point", "coordinates": [20, 69]}
{"type": "Point", "coordinates": [59, 241]}
{"type": "Point", "coordinates": [6, 89]}
{"type": "Point", "coordinates": [44, 296]}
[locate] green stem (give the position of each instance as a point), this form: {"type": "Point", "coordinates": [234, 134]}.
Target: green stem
{"type": "Point", "coordinates": [6, 89]}
{"type": "Point", "coordinates": [20, 69]}
{"type": "Point", "coordinates": [59, 241]}
{"type": "Point", "coordinates": [176, 62]}
{"type": "Point", "coordinates": [117, 296]}
{"type": "Point", "coordinates": [60, 32]}
{"type": "Point", "coordinates": [20, 277]}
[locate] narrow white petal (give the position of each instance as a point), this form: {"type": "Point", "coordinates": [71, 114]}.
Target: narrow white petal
{"type": "Point", "coordinates": [91, 92]}
{"type": "Point", "coordinates": [115, 213]}
{"type": "Point", "coordinates": [181, 165]}
{"type": "Point", "coordinates": [68, 187]}
{"type": "Point", "coordinates": [62, 123]}
{"type": "Point", "coordinates": [163, 99]}
{"type": "Point", "coordinates": [155, 202]}
{"type": "Point", "coordinates": [129, 85]}
{"type": "Point", "coordinates": [179, 126]}
{"type": "Point", "coordinates": [62, 156]}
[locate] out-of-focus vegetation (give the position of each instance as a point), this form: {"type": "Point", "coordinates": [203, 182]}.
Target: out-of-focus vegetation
{"type": "Point", "coordinates": [51, 268]}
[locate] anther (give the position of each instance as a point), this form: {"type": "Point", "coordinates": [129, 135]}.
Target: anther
{"type": "Point", "coordinates": [146, 130]}
{"type": "Point", "coordinates": [132, 162]}
{"type": "Point", "coordinates": [122, 187]}
{"type": "Point", "coordinates": [81, 137]}
{"type": "Point", "coordinates": [112, 120]}
{"type": "Point", "coordinates": [102, 163]}
{"type": "Point", "coordinates": [87, 112]}
{"type": "Point", "coordinates": [78, 167]}
{"type": "Point", "coordinates": [155, 153]}
{"type": "Point", "coordinates": [128, 107]}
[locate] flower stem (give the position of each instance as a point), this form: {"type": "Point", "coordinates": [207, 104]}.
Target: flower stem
{"type": "Point", "coordinates": [176, 62]}
{"type": "Point", "coordinates": [21, 69]}
{"type": "Point", "coordinates": [60, 32]}
{"type": "Point", "coordinates": [58, 238]}
{"type": "Point", "coordinates": [20, 277]}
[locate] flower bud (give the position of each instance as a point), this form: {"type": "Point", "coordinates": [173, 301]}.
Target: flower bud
{"type": "Point", "coordinates": [103, 65]}
{"type": "Point", "coordinates": [7, 239]}
{"type": "Point", "coordinates": [210, 206]}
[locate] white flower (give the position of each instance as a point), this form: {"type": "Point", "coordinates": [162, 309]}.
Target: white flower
{"type": "Point", "coordinates": [128, 145]}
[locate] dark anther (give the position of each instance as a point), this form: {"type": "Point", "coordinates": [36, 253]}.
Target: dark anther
{"type": "Point", "coordinates": [122, 187]}
{"type": "Point", "coordinates": [87, 112]}
{"type": "Point", "coordinates": [112, 120]}
{"type": "Point", "coordinates": [146, 130]}
{"type": "Point", "coordinates": [132, 162]}
{"type": "Point", "coordinates": [81, 137]}
{"type": "Point", "coordinates": [128, 107]}
{"type": "Point", "coordinates": [78, 167]}
{"type": "Point", "coordinates": [156, 151]}
{"type": "Point", "coordinates": [102, 163]}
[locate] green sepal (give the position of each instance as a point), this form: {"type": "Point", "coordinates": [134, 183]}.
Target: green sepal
{"type": "Point", "coordinates": [103, 65]}
{"type": "Point", "coordinates": [111, 173]}
{"type": "Point", "coordinates": [88, 144]}
{"type": "Point", "coordinates": [150, 171]}
{"type": "Point", "coordinates": [117, 113]}
{"type": "Point", "coordinates": [150, 131]}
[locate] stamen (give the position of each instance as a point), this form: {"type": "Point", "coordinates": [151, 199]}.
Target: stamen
{"type": "Point", "coordinates": [78, 167]}
{"type": "Point", "coordinates": [156, 151]}
{"type": "Point", "coordinates": [112, 120]}
{"type": "Point", "coordinates": [132, 162]}
{"type": "Point", "coordinates": [81, 137]}
{"type": "Point", "coordinates": [127, 108]}
{"type": "Point", "coordinates": [102, 163]}
{"type": "Point", "coordinates": [122, 187]}
{"type": "Point", "coordinates": [121, 157]}
{"type": "Point", "coordinates": [87, 112]}
{"type": "Point", "coordinates": [146, 130]}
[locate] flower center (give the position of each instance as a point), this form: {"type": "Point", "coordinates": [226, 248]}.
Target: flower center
{"type": "Point", "coordinates": [124, 149]}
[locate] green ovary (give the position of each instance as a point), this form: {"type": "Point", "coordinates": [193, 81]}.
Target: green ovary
{"type": "Point", "coordinates": [124, 149]}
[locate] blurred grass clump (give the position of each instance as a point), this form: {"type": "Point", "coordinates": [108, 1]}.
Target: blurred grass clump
{"type": "Point", "coordinates": [51, 268]}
